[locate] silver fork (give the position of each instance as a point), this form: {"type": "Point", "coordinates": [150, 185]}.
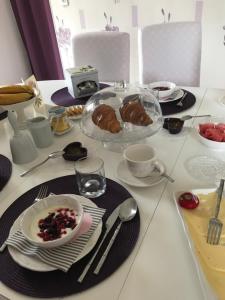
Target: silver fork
{"type": "Point", "coordinates": [180, 103]}
{"type": "Point", "coordinates": [42, 193]}
{"type": "Point", "coordinates": [215, 225]}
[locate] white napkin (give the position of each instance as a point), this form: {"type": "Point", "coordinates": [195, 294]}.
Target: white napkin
{"type": "Point", "coordinates": [62, 257]}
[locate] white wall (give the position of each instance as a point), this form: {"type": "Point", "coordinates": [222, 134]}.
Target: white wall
{"type": "Point", "coordinates": [14, 63]}
{"type": "Point", "coordinates": [149, 12]}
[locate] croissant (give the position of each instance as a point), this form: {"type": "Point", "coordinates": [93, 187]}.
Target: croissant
{"type": "Point", "coordinates": [134, 112]}
{"type": "Point", "coordinates": [104, 117]}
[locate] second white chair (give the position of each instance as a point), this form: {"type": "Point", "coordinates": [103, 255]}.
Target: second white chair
{"type": "Point", "coordinates": [108, 52]}
{"type": "Point", "coordinates": [172, 52]}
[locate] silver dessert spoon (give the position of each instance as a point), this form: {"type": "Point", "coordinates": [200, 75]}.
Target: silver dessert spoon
{"type": "Point", "coordinates": [128, 210]}
{"type": "Point", "coordinates": [51, 155]}
{"type": "Point", "coordinates": [164, 174]}
{"type": "Point", "coordinates": [188, 117]}
{"type": "Point", "coordinates": [170, 179]}
{"type": "Point", "coordinates": [180, 103]}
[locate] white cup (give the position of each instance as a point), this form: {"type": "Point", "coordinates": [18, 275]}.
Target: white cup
{"type": "Point", "coordinates": [141, 159]}
{"type": "Point", "coordinates": [40, 130]}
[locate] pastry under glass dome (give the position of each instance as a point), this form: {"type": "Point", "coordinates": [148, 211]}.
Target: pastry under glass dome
{"type": "Point", "coordinates": [117, 97]}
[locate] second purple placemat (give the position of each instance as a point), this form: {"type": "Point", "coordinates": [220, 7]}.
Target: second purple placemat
{"type": "Point", "coordinates": [171, 108]}
{"type": "Point", "coordinates": [5, 170]}
{"type": "Point", "coordinates": [63, 98]}
{"type": "Point", "coordinates": [3, 114]}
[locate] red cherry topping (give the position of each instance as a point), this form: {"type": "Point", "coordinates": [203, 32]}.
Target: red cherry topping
{"type": "Point", "coordinates": [55, 224]}
{"type": "Point", "coordinates": [188, 200]}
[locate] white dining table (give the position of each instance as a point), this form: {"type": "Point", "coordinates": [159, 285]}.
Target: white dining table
{"type": "Point", "coordinates": [161, 266]}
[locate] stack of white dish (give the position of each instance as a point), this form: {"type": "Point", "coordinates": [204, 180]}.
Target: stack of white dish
{"type": "Point", "coordinates": [166, 91]}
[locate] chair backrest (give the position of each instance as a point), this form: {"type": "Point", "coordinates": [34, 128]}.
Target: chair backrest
{"type": "Point", "coordinates": [172, 52]}
{"type": "Point", "coordinates": [107, 51]}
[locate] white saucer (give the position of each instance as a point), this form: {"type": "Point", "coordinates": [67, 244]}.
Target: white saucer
{"type": "Point", "coordinates": [124, 174]}
{"type": "Point", "coordinates": [33, 263]}
{"type": "Point", "coordinates": [205, 168]}
{"type": "Point", "coordinates": [178, 93]}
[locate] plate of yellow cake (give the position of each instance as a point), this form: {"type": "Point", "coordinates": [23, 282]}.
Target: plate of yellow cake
{"type": "Point", "coordinates": [209, 260]}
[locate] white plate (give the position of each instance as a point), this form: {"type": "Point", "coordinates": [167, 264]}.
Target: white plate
{"type": "Point", "coordinates": [205, 287]}
{"type": "Point", "coordinates": [33, 263]}
{"type": "Point", "coordinates": [75, 117]}
{"type": "Point", "coordinates": [178, 93]}
{"type": "Point", "coordinates": [205, 168]}
{"type": "Point", "coordinates": [124, 174]}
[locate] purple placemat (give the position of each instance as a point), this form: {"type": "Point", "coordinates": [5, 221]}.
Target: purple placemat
{"type": "Point", "coordinates": [58, 283]}
{"type": "Point", "coordinates": [3, 114]}
{"type": "Point", "coordinates": [171, 108]}
{"type": "Point", "coordinates": [5, 170]}
{"type": "Point", "coordinates": [63, 98]}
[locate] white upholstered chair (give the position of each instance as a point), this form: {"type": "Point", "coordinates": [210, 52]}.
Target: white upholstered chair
{"type": "Point", "coordinates": [172, 52]}
{"type": "Point", "coordinates": [107, 51]}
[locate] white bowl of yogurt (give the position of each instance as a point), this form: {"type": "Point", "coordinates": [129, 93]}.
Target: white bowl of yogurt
{"type": "Point", "coordinates": [53, 221]}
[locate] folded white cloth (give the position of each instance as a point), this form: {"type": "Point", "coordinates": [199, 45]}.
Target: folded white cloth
{"type": "Point", "coordinates": [62, 257]}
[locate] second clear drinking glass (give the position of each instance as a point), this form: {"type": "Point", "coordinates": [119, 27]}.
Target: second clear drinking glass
{"type": "Point", "coordinates": [90, 176]}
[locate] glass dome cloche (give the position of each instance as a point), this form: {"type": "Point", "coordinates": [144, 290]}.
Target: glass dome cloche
{"type": "Point", "coordinates": [121, 114]}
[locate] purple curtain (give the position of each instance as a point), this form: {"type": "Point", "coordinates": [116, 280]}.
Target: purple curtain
{"type": "Point", "coordinates": [34, 20]}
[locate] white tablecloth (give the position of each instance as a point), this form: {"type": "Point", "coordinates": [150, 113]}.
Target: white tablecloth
{"type": "Point", "coordinates": [161, 266]}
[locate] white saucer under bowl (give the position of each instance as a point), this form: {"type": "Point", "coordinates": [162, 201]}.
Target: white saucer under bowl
{"type": "Point", "coordinates": [177, 94]}
{"type": "Point", "coordinates": [124, 175]}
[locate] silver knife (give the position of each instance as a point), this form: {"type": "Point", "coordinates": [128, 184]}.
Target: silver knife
{"type": "Point", "coordinates": [109, 224]}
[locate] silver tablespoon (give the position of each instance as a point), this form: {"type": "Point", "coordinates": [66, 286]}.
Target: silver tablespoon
{"type": "Point", "coordinates": [127, 212]}
{"type": "Point", "coordinates": [51, 155]}
{"type": "Point", "coordinates": [188, 117]}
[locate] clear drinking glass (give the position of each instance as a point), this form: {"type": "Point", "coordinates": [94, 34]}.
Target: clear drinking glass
{"type": "Point", "coordinates": [90, 176]}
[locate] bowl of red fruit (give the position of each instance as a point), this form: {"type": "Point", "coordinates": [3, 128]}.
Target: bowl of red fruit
{"type": "Point", "coordinates": [52, 221]}
{"type": "Point", "coordinates": [211, 132]}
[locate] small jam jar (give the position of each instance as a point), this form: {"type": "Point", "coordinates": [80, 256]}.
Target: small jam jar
{"type": "Point", "coordinates": [188, 200]}
{"type": "Point", "coordinates": [60, 123]}
{"type": "Point", "coordinates": [173, 125]}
